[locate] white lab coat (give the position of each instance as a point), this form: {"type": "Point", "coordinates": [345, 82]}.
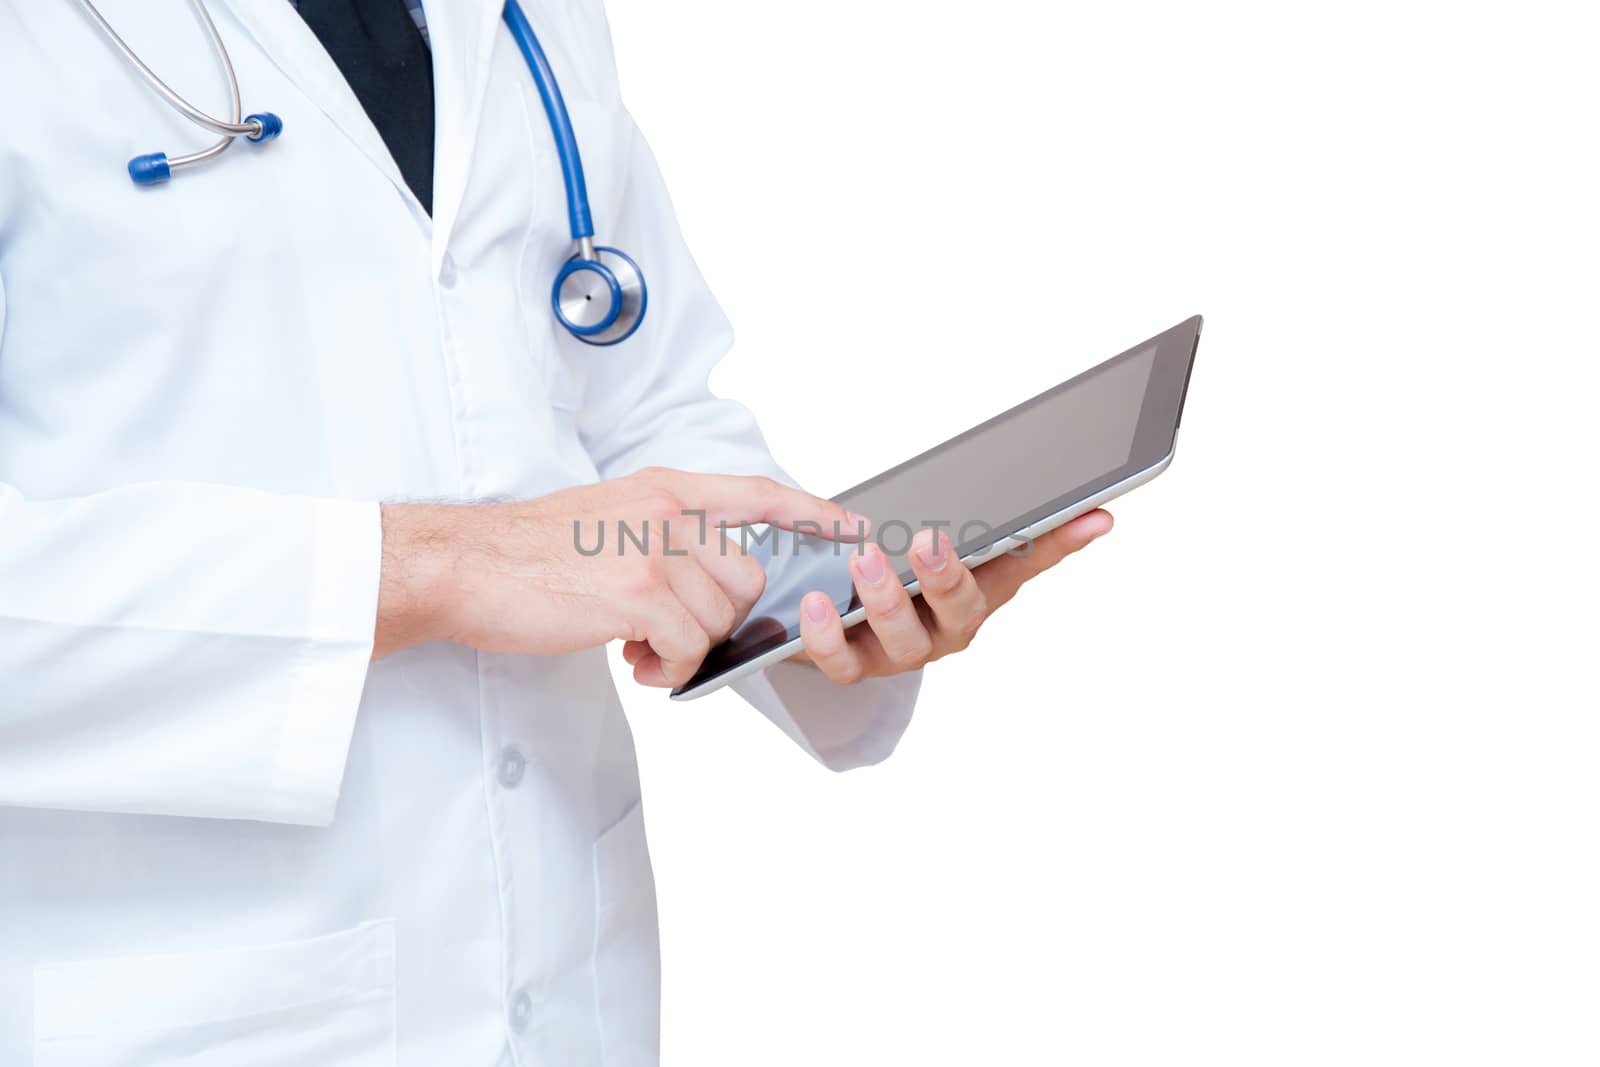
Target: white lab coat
{"type": "Point", "coordinates": [224, 840]}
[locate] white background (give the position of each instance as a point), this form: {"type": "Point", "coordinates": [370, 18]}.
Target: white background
{"type": "Point", "coordinates": [1300, 765]}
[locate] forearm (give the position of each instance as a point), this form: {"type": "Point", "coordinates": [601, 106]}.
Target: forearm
{"type": "Point", "coordinates": [512, 577]}
{"type": "Point", "coordinates": [419, 582]}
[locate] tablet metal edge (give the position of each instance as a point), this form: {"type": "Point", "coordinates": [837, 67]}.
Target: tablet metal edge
{"type": "Point", "coordinates": [1044, 525]}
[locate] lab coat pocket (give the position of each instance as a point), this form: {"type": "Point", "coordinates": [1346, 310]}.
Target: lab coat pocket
{"type": "Point", "coordinates": [627, 957]}
{"type": "Point", "coordinates": [323, 1002]}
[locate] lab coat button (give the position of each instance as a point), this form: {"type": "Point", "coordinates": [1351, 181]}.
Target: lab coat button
{"type": "Point", "coordinates": [521, 1010]}
{"type": "Point", "coordinates": [447, 272]}
{"type": "Point", "coordinates": [512, 764]}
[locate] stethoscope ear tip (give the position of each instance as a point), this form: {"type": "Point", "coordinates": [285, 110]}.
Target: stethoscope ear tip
{"type": "Point", "coordinates": [149, 169]}
{"type": "Point", "coordinates": [271, 125]}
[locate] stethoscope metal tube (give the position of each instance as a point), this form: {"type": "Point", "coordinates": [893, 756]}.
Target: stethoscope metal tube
{"type": "Point", "coordinates": [156, 166]}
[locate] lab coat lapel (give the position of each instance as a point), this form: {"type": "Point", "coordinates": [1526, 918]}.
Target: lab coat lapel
{"type": "Point", "coordinates": [462, 33]}
{"type": "Point", "coordinates": [285, 38]}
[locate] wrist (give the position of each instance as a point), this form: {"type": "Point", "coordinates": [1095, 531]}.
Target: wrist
{"type": "Point", "coordinates": [416, 590]}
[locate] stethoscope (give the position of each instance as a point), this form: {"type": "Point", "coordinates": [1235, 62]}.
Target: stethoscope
{"type": "Point", "coordinates": [599, 294]}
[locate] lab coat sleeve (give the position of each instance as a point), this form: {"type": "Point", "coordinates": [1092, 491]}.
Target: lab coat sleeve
{"type": "Point", "coordinates": [183, 649]}
{"type": "Point", "coordinates": [656, 408]}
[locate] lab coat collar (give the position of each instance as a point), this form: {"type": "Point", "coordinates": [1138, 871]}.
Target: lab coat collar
{"type": "Point", "coordinates": [461, 34]}
{"type": "Point", "coordinates": [288, 42]}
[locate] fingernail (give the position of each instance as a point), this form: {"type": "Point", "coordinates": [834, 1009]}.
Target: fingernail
{"type": "Point", "coordinates": [859, 525]}
{"type": "Point", "coordinates": [816, 605]}
{"type": "Point", "coordinates": [871, 567]}
{"type": "Point", "coordinates": [935, 557]}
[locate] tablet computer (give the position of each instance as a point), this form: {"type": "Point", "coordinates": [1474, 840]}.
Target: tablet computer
{"type": "Point", "coordinates": [991, 489]}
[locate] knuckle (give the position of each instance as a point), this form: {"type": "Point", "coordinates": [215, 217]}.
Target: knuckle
{"type": "Point", "coordinates": [660, 503]}
{"type": "Point", "coordinates": [914, 655]}
{"type": "Point", "coordinates": [759, 492]}
{"type": "Point", "coordinates": [893, 608]}
{"type": "Point", "coordinates": [645, 578]}
{"type": "Point", "coordinates": [980, 614]}
{"type": "Point", "coordinates": [661, 568]}
{"type": "Point", "coordinates": [639, 581]}
{"type": "Point", "coordinates": [751, 578]}
{"type": "Point", "coordinates": [826, 648]}
{"type": "Point", "coordinates": [848, 672]}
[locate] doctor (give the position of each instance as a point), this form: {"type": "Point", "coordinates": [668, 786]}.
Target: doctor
{"type": "Point", "coordinates": [308, 749]}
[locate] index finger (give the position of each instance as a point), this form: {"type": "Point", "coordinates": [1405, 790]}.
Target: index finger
{"type": "Point", "coordinates": [743, 500]}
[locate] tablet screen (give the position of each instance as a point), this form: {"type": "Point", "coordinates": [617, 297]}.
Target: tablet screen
{"type": "Point", "coordinates": [996, 479]}
{"type": "Point", "coordinates": [994, 474]}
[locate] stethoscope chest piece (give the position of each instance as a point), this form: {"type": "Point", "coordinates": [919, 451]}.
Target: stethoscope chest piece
{"type": "Point", "coordinates": [600, 296]}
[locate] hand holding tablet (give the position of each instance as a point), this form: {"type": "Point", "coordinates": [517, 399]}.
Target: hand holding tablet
{"type": "Point", "coordinates": [991, 491]}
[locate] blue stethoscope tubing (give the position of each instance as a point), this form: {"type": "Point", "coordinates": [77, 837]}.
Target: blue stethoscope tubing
{"type": "Point", "coordinates": [599, 294]}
